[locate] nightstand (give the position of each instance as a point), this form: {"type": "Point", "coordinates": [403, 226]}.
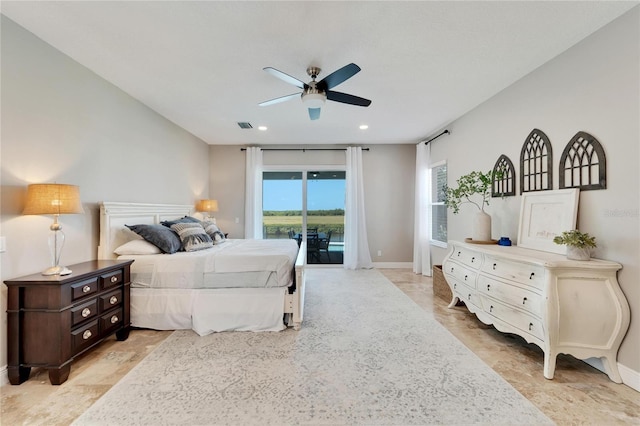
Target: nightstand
{"type": "Point", "coordinates": [53, 319]}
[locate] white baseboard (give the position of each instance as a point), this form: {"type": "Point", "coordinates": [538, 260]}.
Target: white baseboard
{"type": "Point", "coordinates": [4, 376]}
{"type": "Point", "coordinates": [393, 265]}
{"type": "Point", "coordinates": [629, 377]}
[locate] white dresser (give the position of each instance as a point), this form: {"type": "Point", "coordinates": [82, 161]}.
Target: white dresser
{"type": "Point", "coordinates": [563, 306]}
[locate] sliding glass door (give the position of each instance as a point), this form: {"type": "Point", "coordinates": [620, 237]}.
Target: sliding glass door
{"type": "Point", "coordinates": [307, 206]}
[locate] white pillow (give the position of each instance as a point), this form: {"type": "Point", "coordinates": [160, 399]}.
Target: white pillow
{"type": "Point", "coordinates": [137, 247]}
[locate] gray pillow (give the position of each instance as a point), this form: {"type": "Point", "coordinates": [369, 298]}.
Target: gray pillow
{"type": "Point", "coordinates": [160, 236]}
{"type": "Point", "coordinates": [193, 236]}
{"type": "Point", "coordinates": [213, 231]}
{"type": "Point", "coordinates": [185, 219]}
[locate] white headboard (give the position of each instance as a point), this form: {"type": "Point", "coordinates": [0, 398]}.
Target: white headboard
{"type": "Point", "coordinates": [114, 216]}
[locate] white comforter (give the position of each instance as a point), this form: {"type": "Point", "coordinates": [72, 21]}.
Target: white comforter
{"type": "Point", "coordinates": [233, 263]}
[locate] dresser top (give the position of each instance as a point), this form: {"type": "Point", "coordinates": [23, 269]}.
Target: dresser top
{"type": "Point", "coordinates": [79, 270]}
{"type": "Point", "coordinates": [546, 259]}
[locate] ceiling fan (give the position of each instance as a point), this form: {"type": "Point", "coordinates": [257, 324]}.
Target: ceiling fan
{"type": "Point", "coordinates": [315, 93]}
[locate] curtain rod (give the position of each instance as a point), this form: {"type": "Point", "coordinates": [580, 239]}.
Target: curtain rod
{"type": "Point", "coordinates": [304, 149]}
{"type": "Point", "coordinates": [436, 137]}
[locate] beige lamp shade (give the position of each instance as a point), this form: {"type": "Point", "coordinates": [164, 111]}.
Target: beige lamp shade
{"type": "Point", "coordinates": [207, 206]}
{"type": "Point", "coordinates": [53, 198]}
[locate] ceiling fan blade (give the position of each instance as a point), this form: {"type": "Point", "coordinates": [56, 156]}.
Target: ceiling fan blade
{"type": "Point", "coordinates": [347, 99]}
{"type": "Point", "coordinates": [338, 76]}
{"type": "Point", "coordinates": [280, 99]}
{"type": "Point", "coordinates": [314, 113]}
{"type": "Point", "coordinates": [285, 77]}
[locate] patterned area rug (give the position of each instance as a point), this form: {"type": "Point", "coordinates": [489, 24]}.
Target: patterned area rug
{"type": "Point", "coordinates": [366, 355]}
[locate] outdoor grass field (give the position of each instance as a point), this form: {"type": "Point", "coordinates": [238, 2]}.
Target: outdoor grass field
{"type": "Point", "coordinates": [278, 226]}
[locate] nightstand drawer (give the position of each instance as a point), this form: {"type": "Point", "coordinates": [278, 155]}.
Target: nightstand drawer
{"type": "Point", "coordinates": [84, 312]}
{"type": "Point", "coordinates": [84, 288]}
{"type": "Point", "coordinates": [84, 337]}
{"type": "Point", "coordinates": [110, 300]}
{"type": "Point", "coordinates": [111, 320]}
{"type": "Point", "coordinates": [112, 279]}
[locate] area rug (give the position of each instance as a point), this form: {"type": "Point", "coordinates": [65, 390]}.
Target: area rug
{"type": "Point", "coordinates": [366, 355]}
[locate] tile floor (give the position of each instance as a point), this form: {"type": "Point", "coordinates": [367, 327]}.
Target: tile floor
{"type": "Point", "coordinates": [578, 394]}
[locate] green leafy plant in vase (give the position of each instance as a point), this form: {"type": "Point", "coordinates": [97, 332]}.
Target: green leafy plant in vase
{"type": "Point", "coordinates": [579, 244]}
{"type": "Point", "coordinates": [473, 188]}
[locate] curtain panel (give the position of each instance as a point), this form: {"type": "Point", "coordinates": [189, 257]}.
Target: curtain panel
{"type": "Point", "coordinates": [422, 225]}
{"type": "Point", "coordinates": [253, 194]}
{"type": "Point", "coordinates": [356, 243]}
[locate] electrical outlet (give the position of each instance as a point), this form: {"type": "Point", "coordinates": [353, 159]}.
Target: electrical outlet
{"type": "Point", "coordinates": [379, 253]}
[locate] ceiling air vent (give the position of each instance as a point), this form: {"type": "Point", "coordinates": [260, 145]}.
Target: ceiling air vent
{"type": "Point", "coordinates": [245, 125]}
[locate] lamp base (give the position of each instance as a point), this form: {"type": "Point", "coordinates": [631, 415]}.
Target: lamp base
{"type": "Point", "coordinates": [57, 270]}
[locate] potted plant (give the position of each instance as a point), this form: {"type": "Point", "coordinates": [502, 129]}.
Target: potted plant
{"type": "Point", "coordinates": [579, 244]}
{"type": "Point", "coordinates": [473, 188]}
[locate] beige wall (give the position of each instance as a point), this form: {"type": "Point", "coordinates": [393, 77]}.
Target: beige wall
{"type": "Point", "coordinates": [62, 123]}
{"type": "Point", "coordinates": [592, 87]}
{"type": "Point", "coordinates": [388, 172]}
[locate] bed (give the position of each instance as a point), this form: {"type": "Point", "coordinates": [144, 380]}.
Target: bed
{"type": "Point", "coordinates": [236, 285]}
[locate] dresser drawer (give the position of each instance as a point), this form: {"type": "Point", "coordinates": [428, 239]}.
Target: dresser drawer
{"type": "Point", "coordinates": [468, 257]}
{"type": "Point", "coordinates": [110, 300]}
{"type": "Point", "coordinates": [513, 317]}
{"type": "Point", "coordinates": [112, 279]}
{"type": "Point", "coordinates": [460, 272]}
{"type": "Point", "coordinates": [85, 336]}
{"type": "Point", "coordinates": [84, 312]}
{"type": "Point", "coordinates": [531, 275]}
{"type": "Point", "coordinates": [111, 320]}
{"type": "Point", "coordinates": [465, 293]}
{"type": "Point", "coordinates": [511, 294]}
{"type": "Point", "coordinates": [84, 288]}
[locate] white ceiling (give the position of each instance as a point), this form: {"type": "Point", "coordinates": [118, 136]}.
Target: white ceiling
{"type": "Point", "coordinates": [424, 63]}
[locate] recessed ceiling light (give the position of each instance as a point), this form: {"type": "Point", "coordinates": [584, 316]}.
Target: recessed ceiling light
{"type": "Point", "coordinates": [364, 127]}
{"type": "Point", "coordinates": [263, 128]}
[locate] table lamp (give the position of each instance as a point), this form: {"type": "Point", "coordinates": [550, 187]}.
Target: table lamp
{"type": "Point", "coordinates": [55, 199]}
{"type": "Point", "coordinates": [208, 206]}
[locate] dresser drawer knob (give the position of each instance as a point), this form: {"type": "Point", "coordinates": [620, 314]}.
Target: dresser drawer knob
{"type": "Point", "coordinates": [113, 300]}
{"type": "Point", "coordinates": [114, 319]}
{"type": "Point", "coordinates": [86, 289]}
{"type": "Point", "coordinates": [494, 266]}
{"type": "Point", "coordinates": [532, 275]}
{"type": "Point", "coordinates": [85, 312]}
{"type": "Point", "coordinates": [114, 279]}
{"type": "Point", "coordinates": [86, 334]}
{"type": "Point", "coordinates": [491, 308]}
{"type": "Point", "coordinates": [469, 296]}
{"type": "Point", "coordinates": [473, 259]}
{"type": "Point", "coordinates": [451, 270]}
{"type": "Point", "coordinates": [465, 277]}
{"type": "Point", "coordinates": [530, 326]}
{"type": "Point", "coordinates": [458, 254]}
{"type": "Point", "coordinates": [488, 287]}
{"type": "Point", "coordinates": [455, 285]}
{"type": "Point", "coordinates": [524, 300]}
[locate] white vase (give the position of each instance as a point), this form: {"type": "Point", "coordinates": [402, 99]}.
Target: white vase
{"type": "Point", "coordinates": [578, 253]}
{"type": "Point", "coordinates": [481, 227]}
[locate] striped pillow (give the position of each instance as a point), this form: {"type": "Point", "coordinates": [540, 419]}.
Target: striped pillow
{"type": "Point", "coordinates": [192, 236]}
{"type": "Point", "coordinates": [213, 231]}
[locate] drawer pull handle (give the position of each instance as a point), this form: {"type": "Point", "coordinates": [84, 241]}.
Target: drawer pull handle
{"type": "Point", "coordinates": [531, 276]}
{"type": "Point", "coordinates": [452, 269]}
{"type": "Point", "coordinates": [114, 319]}
{"type": "Point", "coordinates": [488, 287]}
{"type": "Point", "coordinates": [113, 300]}
{"type": "Point", "coordinates": [469, 296]}
{"type": "Point", "coordinates": [86, 334]}
{"type": "Point", "coordinates": [458, 254]}
{"type": "Point", "coordinates": [530, 326]}
{"type": "Point", "coordinates": [524, 300]}
{"type": "Point", "coordinates": [86, 289]}
{"type": "Point", "coordinates": [114, 279]}
{"type": "Point", "coordinates": [465, 277]}
{"type": "Point", "coordinates": [473, 259]}
{"type": "Point", "coordinates": [455, 285]}
{"type": "Point", "coordinates": [494, 266]}
{"type": "Point", "coordinates": [491, 308]}
{"type": "Point", "coordinates": [85, 312]}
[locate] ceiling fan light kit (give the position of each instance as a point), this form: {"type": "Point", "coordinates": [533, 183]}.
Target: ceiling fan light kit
{"type": "Point", "coordinates": [314, 94]}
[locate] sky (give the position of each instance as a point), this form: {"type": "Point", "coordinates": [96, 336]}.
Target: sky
{"type": "Point", "coordinates": [287, 194]}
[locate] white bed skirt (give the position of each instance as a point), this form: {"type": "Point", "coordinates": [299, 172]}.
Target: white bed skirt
{"type": "Point", "coordinates": [206, 311]}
